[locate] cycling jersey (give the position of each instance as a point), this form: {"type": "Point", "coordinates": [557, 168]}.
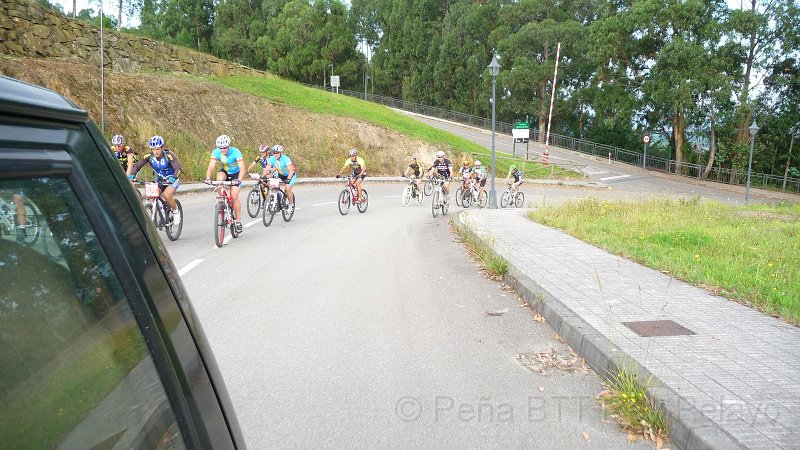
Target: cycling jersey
{"type": "Point", "coordinates": [416, 168]}
{"type": "Point", "coordinates": [356, 165]}
{"type": "Point", "coordinates": [121, 152]}
{"type": "Point", "coordinates": [261, 160]}
{"type": "Point", "coordinates": [229, 161]}
{"type": "Point", "coordinates": [443, 167]}
{"type": "Point", "coordinates": [167, 165]}
{"type": "Point", "coordinates": [517, 174]}
{"type": "Point", "coordinates": [481, 172]}
{"type": "Point", "coordinates": [281, 165]}
{"type": "Point", "coordinates": [465, 172]}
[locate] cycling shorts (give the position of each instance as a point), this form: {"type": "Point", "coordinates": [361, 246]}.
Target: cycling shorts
{"type": "Point", "coordinates": [286, 180]}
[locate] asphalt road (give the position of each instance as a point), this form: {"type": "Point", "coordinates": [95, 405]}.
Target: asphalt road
{"type": "Point", "coordinates": [372, 330]}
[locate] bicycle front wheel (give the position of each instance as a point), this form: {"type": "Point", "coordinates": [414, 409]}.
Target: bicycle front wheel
{"type": "Point", "coordinates": [459, 195]}
{"type": "Point", "coordinates": [174, 231]}
{"type": "Point", "coordinates": [253, 202]}
{"type": "Point", "coordinates": [483, 199]}
{"type": "Point", "coordinates": [435, 204]}
{"type": "Point", "coordinates": [428, 188]}
{"type": "Point", "coordinates": [466, 198]}
{"type": "Point", "coordinates": [219, 224]}
{"type": "Point", "coordinates": [406, 197]}
{"type": "Point", "coordinates": [364, 203]}
{"type": "Point", "coordinates": [418, 195]}
{"type": "Point", "coordinates": [505, 199]}
{"type": "Point", "coordinates": [344, 202]}
{"type": "Point", "coordinates": [270, 206]}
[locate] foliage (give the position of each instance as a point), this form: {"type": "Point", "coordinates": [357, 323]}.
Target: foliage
{"type": "Point", "coordinates": [628, 401]}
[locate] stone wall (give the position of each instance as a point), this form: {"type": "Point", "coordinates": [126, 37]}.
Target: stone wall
{"type": "Point", "coordinates": [30, 30]}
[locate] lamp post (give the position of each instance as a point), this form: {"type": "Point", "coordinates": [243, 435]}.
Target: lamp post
{"type": "Point", "coordinates": [753, 130]}
{"type": "Point", "coordinates": [789, 158]}
{"type": "Point", "coordinates": [494, 68]}
{"type": "Point", "coordinates": [325, 80]}
{"type": "Point", "coordinates": [366, 79]}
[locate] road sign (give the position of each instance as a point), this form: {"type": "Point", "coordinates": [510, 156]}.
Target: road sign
{"type": "Point", "coordinates": [335, 81]}
{"type": "Point", "coordinates": [520, 125]}
{"type": "Point", "coordinates": [646, 139]}
{"type": "Point", "coordinates": [521, 134]}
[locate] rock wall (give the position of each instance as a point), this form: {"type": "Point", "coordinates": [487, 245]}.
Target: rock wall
{"type": "Point", "coordinates": [30, 30]}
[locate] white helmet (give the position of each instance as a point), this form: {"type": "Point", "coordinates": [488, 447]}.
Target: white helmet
{"type": "Point", "coordinates": [277, 148]}
{"type": "Point", "coordinates": [223, 141]}
{"type": "Point", "coordinates": [440, 154]}
{"type": "Point", "coordinates": [117, 139]}
{"type": "Point", "coordinates": [477, 163]}
{"type": "Point", "coordinates": [353, 152]}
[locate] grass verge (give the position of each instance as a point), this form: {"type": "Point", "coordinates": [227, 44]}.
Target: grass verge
{"type": "Point", "coordinates": [495, 265]}
{"type": "Point", "coordinates": [628, 402]}
{"type": "Point", "coordinates": [750, 254]}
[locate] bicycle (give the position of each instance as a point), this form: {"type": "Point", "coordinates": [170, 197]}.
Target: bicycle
{"type": "Point", "coordinates": [26, 234]}
{"type": "Point", "coordinates": [473, 194]}
{"type": "Point", "coordinates": [159, 211]}
{"type": "Point", "coordinates": [512, 196]}
{"type": "Point", "coordinates": [277, 200]}
{"type": "Point", "coordinates": [412, 191]}
{"type": "Point", "coordinates": [257, 195]}
{"type": "Point", "coordinates": [439, 201]}
{"type": "Point", "coordinates": [349, 195]}
{"type": "Point", "coordinates": [223, 212]}
{"type": "Point", "coordinates": [460, 190]}
{"type": "Point", "coordinates": [427, 188]}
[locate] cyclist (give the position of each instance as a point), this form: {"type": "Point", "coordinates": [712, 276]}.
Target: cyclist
{"type": "Point", "coordinates": [442, 167]}
{"type": "Point", "coordinates": [167, 169]}
{"type": "Point", "coordinates": [517, 174]}
{"type": "Point", "coordinates": [124, 154]}
{"type": "Point", "coordinates": [416, 168]}
{"type": "Point", "coordinates": [466, 173]}
{"type": "Point", "coordinates": [264, 152]}
{"type": "Point", "coordinates": [356, 163]}
{"type": "Point", "coordinates": [232, 170]}
{"type": "Point", "coordinates": [284, 168]}
{"type": "Point", "coordinates": [479, 173]}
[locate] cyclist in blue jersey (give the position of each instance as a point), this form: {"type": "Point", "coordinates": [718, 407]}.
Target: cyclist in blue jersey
{"type": "Point", "coordinates": [167, 169]}
{"type": "Point", "coordinates": [232, 170]}
{"type": "Point", "coordinates": [284, 168]}
{"type": "Point", "coordinates": [264, 152]}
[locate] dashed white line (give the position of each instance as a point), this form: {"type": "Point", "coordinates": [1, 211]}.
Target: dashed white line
{"type": "Point", "coordinates": [189, 267]}
{"type": "Point", "coordinates": [614, 178]}
{"type": "Point", "coordinates": [326, 203]}
{"type": "Point", "coordinates": [250, 224]}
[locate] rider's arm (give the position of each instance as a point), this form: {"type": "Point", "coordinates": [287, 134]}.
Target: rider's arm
{"type": "Point", "coordinates": [291, 170]}
{"type": "Point", "coordinates": [176, 165]}
{"type": "Point", "coordinates": [132, 170]}
{"type": "Point", "coordinates": [346, 163]}
{"type": "Point", "coordinates": [363, 165]}
{"type": "Point", "coordinates": [242, 171]}
{"type": "Point", "coordinates": [250, 167]}
{"type": "Point", "coordinates": [211, 164]}
{"type": "Point", "coordinates": [130, 161]}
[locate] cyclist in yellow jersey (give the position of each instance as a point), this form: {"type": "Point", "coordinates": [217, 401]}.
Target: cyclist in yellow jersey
{"type": "Point", "coordinates": [356, 163]}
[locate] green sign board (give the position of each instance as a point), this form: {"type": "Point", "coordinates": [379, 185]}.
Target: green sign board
{"type": "Point", "coordinates": [521, 125]}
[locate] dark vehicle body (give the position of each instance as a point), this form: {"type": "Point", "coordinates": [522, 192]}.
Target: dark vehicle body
{"type": "Point", "coordinates": [99, 345]}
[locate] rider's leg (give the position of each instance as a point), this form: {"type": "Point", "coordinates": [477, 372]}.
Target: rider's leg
{"type": "Point", "coordinates": [21, 218]}
{"type": "Point", "coordinates": [169, 196]}
{"type": "Point", "coordinates": [237, 207]}
{"type": "Point", "coordinates": [358, 187]}
{"type": "Point", "coordinates": [289, 193]}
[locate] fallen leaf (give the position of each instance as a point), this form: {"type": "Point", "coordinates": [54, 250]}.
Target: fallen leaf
{"type": "Point", "coordinates": [604, 393]}
{"type": "Point", "coordinates": [538, 318]}
{"type": "Point", "coordinates": [558, 338]}
{"type": "Point", "coordinates": [586, 435]}
{"type": "Point", "coordinates": [659, 443]}
{"type": "Point", "coordinates": [633, 437]}
{"type": "Point", "coordinates": [541, 388]}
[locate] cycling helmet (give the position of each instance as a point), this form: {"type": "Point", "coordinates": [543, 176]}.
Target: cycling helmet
{"type": "Point", "coordinates": [156, 141]}
{"type": "Point", "coordinates": [513, 167]}
{"type": "Point", "coordinates": [263, 148]}
{"type": "Point", "coordinates": [440, 154]}
{"type": "Point", "coordinates": [117, 139]}
{"type": "Point", "coordinates": [223, 141]}
{"type": "Point", "coordinates": [466, 163]}
{"type": "Point", "coordinates": [477, 163]}
{"type": "Point", "coordinates": [413, 158]}
{"type": "Point", "coordinates": [353, 152]}
{"type": "Point", "coordinates": [277, 148]}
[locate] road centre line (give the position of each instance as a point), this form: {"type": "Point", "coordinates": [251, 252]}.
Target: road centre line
{"type": "Point", "coordinates": [189, 267]}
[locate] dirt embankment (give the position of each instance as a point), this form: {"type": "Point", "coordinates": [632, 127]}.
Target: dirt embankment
{"type": "Point", "coordinates": [190, 114]}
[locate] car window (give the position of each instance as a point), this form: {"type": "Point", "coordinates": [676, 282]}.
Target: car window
{"type": "Point", "coordinates": [74, 368]}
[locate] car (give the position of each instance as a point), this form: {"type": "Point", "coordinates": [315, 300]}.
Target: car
{"type": "Point", "coordinates": [99, 344]}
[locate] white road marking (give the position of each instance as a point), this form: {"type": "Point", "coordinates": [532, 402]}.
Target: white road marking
{"type": "Point", "coordinates": [326, 203]}
{"type": "Point", "coordinates": [189, 267]}
{"type": "Point", "coordinates": [614, 178]}
{"type": "Point", "coordinates": [250, 224]}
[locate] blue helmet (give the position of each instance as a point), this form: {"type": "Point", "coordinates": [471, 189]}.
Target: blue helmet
{"type": "Point", "coordinates": [156, 141]}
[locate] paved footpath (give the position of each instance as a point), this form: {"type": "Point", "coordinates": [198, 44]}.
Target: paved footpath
{"type": "Point", "coordinates": [734, 383]}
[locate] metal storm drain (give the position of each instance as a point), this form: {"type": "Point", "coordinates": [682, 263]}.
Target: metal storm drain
{"type": "Point", "coordinates": [652, 328]}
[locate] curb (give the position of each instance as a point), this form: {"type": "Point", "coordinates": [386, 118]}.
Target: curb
{"type": "Point", "coordinates": [200, 187]}
{"type": "Point", "coordinates": [688, 427]}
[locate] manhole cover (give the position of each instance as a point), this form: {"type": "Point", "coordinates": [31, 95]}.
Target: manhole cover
{"type": "Point", "coordinates": [651, 328]}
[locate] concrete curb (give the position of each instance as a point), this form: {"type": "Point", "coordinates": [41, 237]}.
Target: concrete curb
{"type": "Point", "coordinates": [688, 427]}
{"type": "Point", "coordinates": [200, 187]}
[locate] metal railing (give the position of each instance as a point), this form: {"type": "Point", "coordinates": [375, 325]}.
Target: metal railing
{"type": "Point", "coordinates": [691, 170]}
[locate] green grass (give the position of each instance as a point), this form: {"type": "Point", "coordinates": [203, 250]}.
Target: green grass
{"type": "Point", "coordinates": [496, 265]}
{"type": "Point", "coordinates": [629, 403]}
{"type": "Point", "coordinates": [70, 392]}
{"type": "Point", "coordinates": [748, 254]}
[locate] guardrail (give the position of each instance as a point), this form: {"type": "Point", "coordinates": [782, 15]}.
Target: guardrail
{"type": "Point", "coordinates": [716, 174]}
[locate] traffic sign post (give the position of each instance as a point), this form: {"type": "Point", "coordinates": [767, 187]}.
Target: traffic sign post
{"type": "Point", "coordinates": [335, 82]}
{"type": "Point", "coordinates": [646, 140]}
{"type": "Point", "coordinates": [521, 133]}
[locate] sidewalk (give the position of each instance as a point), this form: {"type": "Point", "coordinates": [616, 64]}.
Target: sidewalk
{"type": "Point", "coordinates": [734, 383]}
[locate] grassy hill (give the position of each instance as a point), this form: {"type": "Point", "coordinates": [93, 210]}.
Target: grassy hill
{"type": "Point", "coordinates": [316, 127]}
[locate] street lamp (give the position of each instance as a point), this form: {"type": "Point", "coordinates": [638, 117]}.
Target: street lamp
{"type": "Point", "coordinates": [494, 68]}
{"type": "Point", "coordinates": [753, 130]}
{"type": "Point", "coordinates": [366, 79]}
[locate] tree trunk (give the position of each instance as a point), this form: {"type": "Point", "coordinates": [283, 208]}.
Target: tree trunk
{"type": "Point", "coordinates": [712, 148]}
{"type": "Point", "coordinates": [678, 129]}
{"type": "Point", "coordinates": [580, 122]}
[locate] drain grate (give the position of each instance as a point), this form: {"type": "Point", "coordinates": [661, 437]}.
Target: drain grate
{"type": "Point", "coordinates": [652, 328]}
